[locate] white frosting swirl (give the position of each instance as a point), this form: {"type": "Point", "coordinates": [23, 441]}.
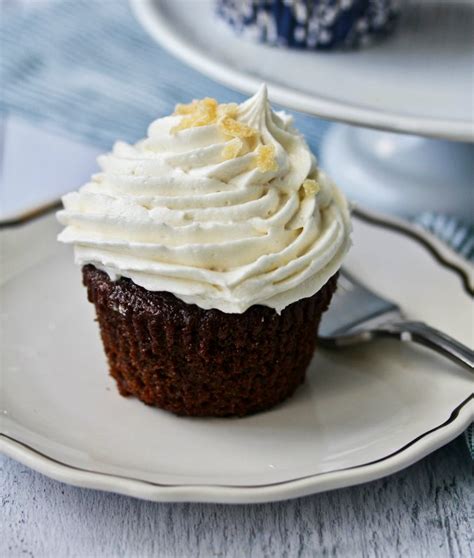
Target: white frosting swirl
{"type": "Point", "coordinates": [172, 214]}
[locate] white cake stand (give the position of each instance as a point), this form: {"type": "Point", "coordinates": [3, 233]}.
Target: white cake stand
{"type": "Point", "coordinates": [417, 82]}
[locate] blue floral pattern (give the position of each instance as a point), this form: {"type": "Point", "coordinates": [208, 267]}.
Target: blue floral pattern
{"type": "Point", "coordinates": [311, 24]}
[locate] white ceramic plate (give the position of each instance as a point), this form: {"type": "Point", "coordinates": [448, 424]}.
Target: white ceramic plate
{"type": "Point", "coordinates": [363, 413]}
{"type": "Point", "coordinates": [417, 81]}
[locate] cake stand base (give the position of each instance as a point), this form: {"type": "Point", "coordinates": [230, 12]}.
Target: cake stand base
{"type": "Point", "coordinates": [401, 174]}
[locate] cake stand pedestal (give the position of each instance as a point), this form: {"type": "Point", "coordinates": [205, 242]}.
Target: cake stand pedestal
{"type": "Point", "coordinates": [401, 174]}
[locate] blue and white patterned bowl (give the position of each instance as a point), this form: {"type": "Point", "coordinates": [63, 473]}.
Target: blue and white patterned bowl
{"type": "Point", "coordinates": [311, 24]}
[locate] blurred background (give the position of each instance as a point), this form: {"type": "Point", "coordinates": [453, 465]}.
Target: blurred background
{"type": "Point", "coordinates": [77, 75]}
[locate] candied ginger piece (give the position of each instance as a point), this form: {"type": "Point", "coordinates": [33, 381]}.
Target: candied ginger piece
{"type": "Point", "coordinates": [266, 158]}
{"type": "Point", "coordinates": [232, 149]}
{"type": "Point", "coordinates": [232, 127]}
{"type": "Point", "coordinates": [229, 109]}
{"type": "Point", "coordinates": [198, 113]}
{"type": "Point", "coordinates": [208, 111]}
{"type": "Point", "coordinates": [311, 187]}
{"type": "Point", "coordinates": [181, 109]}
{"type": "Point", "coordinates": [198, 105]}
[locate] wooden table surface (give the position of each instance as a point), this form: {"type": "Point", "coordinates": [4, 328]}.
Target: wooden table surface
{"type": "Point", "coordinates": [424, 511]}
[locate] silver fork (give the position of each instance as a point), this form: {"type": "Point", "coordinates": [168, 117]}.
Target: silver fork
{"type": "Point", "coordinates": [358, 315]}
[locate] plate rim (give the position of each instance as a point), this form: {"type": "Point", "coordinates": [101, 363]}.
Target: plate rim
{"type": "Point", "coordinates": [153, 20]}
{"type": "Point", "coordinates": [415, 450]}
{"type": "Point", "coordinates": [423, 445]}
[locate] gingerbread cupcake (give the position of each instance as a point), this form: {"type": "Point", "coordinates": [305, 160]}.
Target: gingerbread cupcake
{"type": "Point", "coordinates": [210, 250]}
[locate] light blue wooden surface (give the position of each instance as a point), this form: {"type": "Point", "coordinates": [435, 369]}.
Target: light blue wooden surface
{"type": "Point", "coordinates": [424, 511]}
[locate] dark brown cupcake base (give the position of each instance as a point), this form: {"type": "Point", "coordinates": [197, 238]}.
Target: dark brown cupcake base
{"type": "Point", "coordinates": [198, 362]}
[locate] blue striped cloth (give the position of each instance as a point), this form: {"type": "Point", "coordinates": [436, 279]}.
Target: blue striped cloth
{"type": "Point", "coordinates": [458, 236]}
{"type": "Point", "coordinates": [87, 69]}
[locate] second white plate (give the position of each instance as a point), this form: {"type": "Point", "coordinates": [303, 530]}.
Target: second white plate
{"type": "Point", "coordinates": [431, 51]}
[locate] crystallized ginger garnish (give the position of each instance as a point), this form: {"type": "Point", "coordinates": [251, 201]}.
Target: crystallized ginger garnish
{"type": "Point", "coordinates": [232, 149]}
{"type": "Point", "coordinates": [197, 106]}
{"type": "Point", "coordinates": [236, 129]}
{"type": "Point", "coordinates": [311, 187]}
{"type": "Point", "coordinates": [207, 111]}
{"type": "Point", "coordinates": [229, 109]}
{"type": "Point", "coordinates": [266, 158]}
{"type": "Point", "coordinates": [198, 113]}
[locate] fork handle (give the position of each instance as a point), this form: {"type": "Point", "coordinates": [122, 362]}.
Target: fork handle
{"type": "Point", "coordinates": [423, 334]}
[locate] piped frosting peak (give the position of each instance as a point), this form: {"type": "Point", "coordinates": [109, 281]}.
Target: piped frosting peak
{"type": "Point", "coordinates": [221, 204]}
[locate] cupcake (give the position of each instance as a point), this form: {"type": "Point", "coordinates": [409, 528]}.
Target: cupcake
{"type": "Point", "coordinates": [311, 24]}
{"type": "Point", "coordinates": [210, 250]}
